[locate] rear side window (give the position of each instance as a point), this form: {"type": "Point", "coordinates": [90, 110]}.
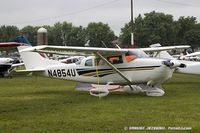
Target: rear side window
{"type": "Point", "coordinates": [88, 62]}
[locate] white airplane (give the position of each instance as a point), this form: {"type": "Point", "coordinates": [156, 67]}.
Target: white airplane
{"type": "Point", "coordinates": [72, 59]}
{"type": "Point", "coordinates": [192, 66]}
{"type": "Point", "coordinates": [130, 68]}
{"type": "Point", "coordinates": [6, 60]}
{"type": "Point", "coordinates": [191, 57]}
{"type": "Point", "coordinates": [5, 65]}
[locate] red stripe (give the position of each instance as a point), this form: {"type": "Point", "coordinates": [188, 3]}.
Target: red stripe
{"type": "Point", "coordinates": [9, 44]}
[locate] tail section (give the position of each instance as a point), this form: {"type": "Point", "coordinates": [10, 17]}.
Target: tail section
{"type": "Point", "coordinates": [22, 39]}
{"type": "Point", "coordinates": [34, 60]}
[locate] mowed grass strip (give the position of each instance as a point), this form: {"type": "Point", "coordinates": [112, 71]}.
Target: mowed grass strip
{"type": "Point", "coordinates": [35, 104]}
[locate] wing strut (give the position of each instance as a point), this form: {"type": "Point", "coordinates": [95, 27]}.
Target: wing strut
{"type": "Point", "coordinates": [116, 70]}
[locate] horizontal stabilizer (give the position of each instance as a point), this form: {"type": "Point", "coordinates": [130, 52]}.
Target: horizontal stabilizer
{"type": "Point", "coordinates": [18, 64]}
{"type": "Point", "coordinates": [31, 70]}
{"type": "Point", "coordinates": [25, 72]}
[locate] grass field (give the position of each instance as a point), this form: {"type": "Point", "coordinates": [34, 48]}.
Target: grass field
{"type": "Point", "coordinates": [37, 105]}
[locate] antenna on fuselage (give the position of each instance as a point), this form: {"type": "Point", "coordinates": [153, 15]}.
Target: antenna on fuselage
{"type": "Point", "coordinates": [87, 43]}
{"type": "Point", "coordinates": [104, 44]}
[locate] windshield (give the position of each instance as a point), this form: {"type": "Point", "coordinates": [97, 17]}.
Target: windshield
{"type": "Point", "coordinates": [79, 61]}
{"type": "Point", "coordinates": [138, 53]}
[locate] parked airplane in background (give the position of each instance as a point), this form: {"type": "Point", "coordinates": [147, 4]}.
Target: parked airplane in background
{"type": "Point", "coordinates": [4, 46]}
{"type": "Point", "coordinates": [130, 68]}
{"type": "Point", "coordinates": [193, 67]}
{"type": "Point", "coordinates": [71, 59]}
{"type": "Point", "coordinates": [191, 56]}
{"type": "Point", "coordinates": [7, 63]}
{"type": "Point", "coordinates": [18, 41]}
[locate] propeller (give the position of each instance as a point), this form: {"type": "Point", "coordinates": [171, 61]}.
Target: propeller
{"type": "Point", "coordinates": [173, 64]}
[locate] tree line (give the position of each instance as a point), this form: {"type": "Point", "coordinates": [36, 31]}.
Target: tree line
{"type": "Point", "coordinates": [153, 27]}
{"type": "Point", "coordinates": [162, 28]}
{"type": "Point", "coordinates": [64, 34]}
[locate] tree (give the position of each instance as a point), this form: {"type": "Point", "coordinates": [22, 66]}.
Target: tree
{"type": "Point", "coordinates": [66, 34]}
{"type": "Point", "coordinates": [31, 33]}
{"type": "Point", "coordinates": [125, 36]}
{"type": "Point", "coordinates": [98, 32]}
{"type": "Point", "coordinates": [77, 36]}
{"type": "Point", "coordinates": [59, 33]}
{"type": "Point", "coordinates": [192, 38]}
{"type": "Point", "coordinates": [153, 28]}
{"type": "Point", "coordinates": [185, 25]}
{"type": "Point", "coordinates": [8, 33]}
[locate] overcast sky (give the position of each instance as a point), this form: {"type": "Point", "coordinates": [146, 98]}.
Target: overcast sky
{"type": "Point", "coordinates": [80, 12]}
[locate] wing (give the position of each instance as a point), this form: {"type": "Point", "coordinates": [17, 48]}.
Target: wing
{"type": "Point", "coordinates": [75, 50]}
{"type": "Point", "coordinates": [90, 50]}
{"type": "Point", "coordinates": [25, 72]}
{"type": "Point", "coordinates": [166, 48]}
{"type": "Point", "coordinates": [8, 45]}
{"type": "Point", "coordinates": [193, 54]}
{"type": "Point", "coordinates": [18, 64]}
{"type": "Point", "coordinates": [5, 46]}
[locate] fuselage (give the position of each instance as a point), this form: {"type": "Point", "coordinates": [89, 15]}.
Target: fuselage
{"type": "Point", "coordinates": [132, 67]}
{"type": "Point", "coordinates": [140, 70]}
{"type": "Point", "coordinates": [192, 67]}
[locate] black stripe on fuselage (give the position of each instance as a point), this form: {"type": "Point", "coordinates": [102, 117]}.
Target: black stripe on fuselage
{"type": "Point", "coordinates": [86, 71]}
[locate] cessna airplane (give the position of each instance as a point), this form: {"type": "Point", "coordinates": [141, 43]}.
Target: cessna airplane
{"type": "Point", "coordinates": [130, 68]}
{"type": "Point", "coordinates": [7, 63]}
{"type": "Point", "coordinates": [73, 59]}
{"type": "Point", "coordinates": [192, 66]}
{"type": "Point", "coordinates": [4, 46]}
{"type": "Point", "coordinates": [191, 57]}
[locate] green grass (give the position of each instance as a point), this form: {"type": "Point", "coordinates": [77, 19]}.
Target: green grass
{"type": "Point", "coordinates": [36, 104]}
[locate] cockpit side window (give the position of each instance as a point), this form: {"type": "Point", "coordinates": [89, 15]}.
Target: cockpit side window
{"type": "Point", "coordinates": [130, 57]}
{"type": "Point", "coordinates": [115, 59]}
{"type": "Point", "coordinates": [138, 53]}
{"type": "Point", "coordinates": [79, 60]}
{"type": "Point", "coordinates": [89, 62]}
{"type": "Point", "coordinates": [99, 61]}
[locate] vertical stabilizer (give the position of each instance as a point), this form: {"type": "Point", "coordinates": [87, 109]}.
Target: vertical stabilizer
{"type": "Point", "coordinates": [34, 60]}
{"type": "Point", "coordinates": [22, 39]}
